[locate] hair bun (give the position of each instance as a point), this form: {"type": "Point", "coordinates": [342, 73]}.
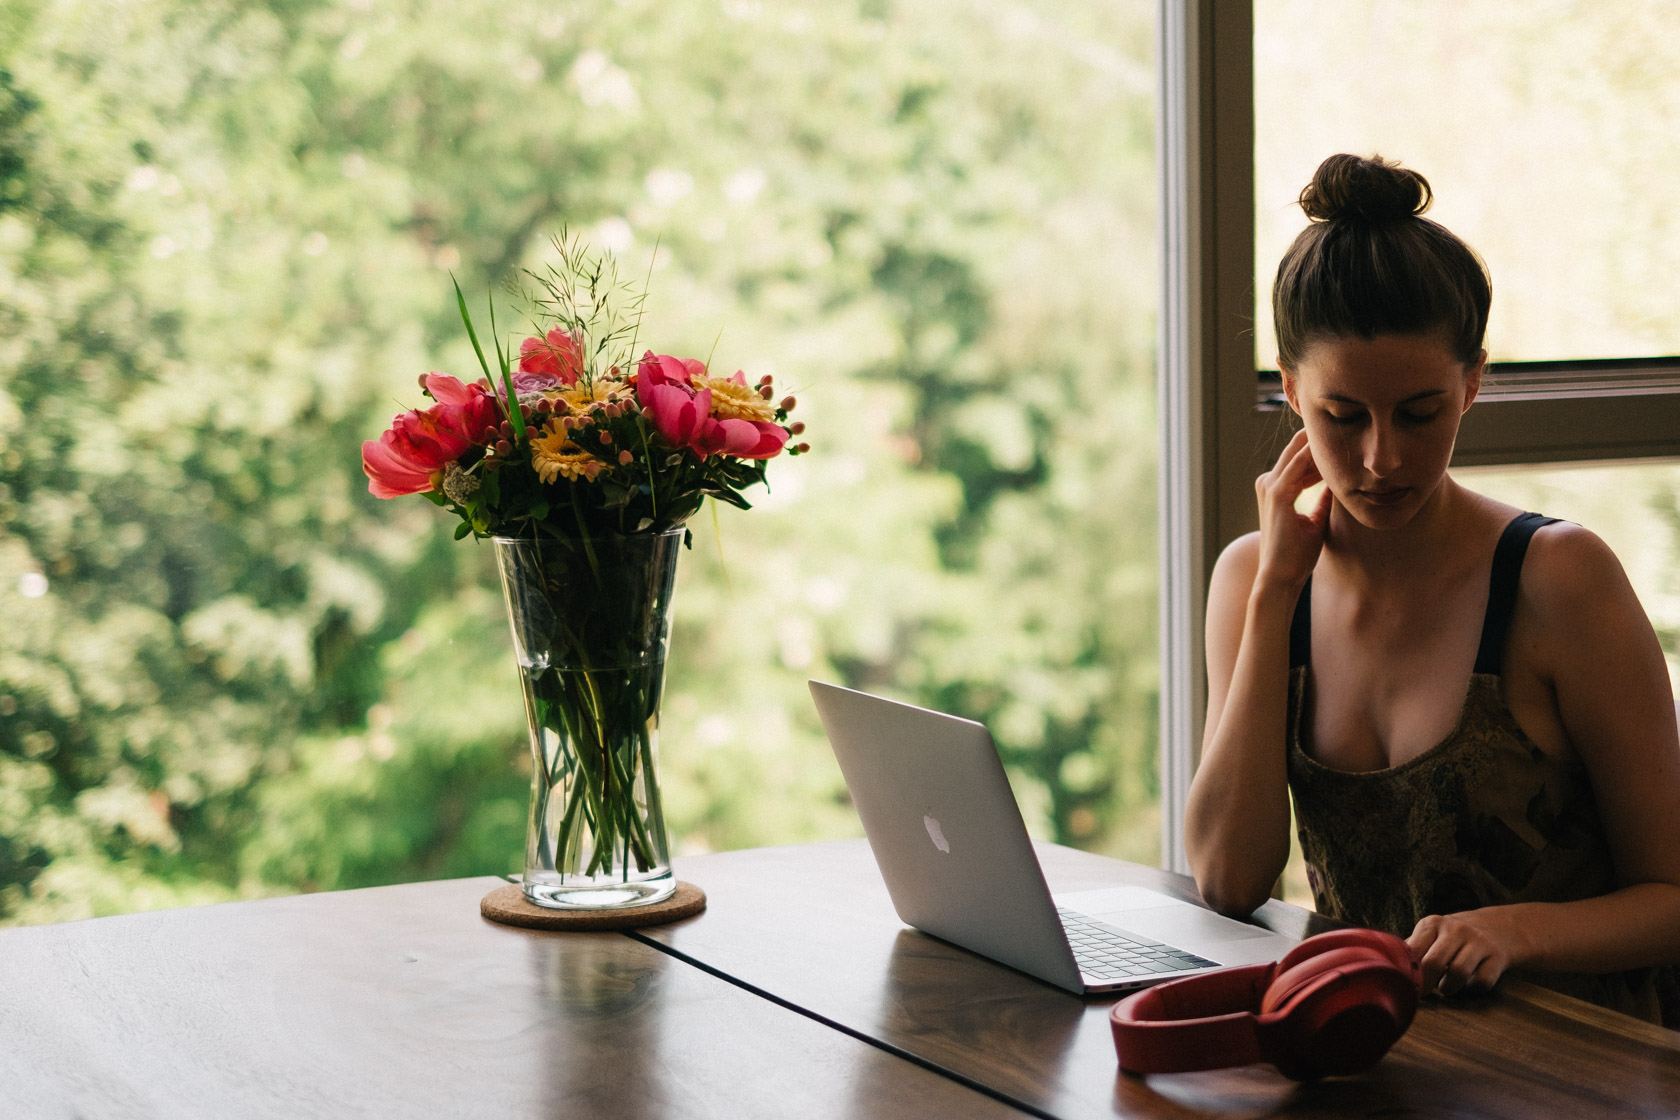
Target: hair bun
{"type": "Point", "coordinates": [1353, 188]}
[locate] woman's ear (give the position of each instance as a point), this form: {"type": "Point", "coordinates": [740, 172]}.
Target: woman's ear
{"type": "Point", "coordinates": [1291, 388]}
{"type": "Point", "coordinates": [1473, 379]}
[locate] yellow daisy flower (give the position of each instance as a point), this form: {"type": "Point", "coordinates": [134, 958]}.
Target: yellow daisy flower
{"type": "Point", "coordinates": [555, 456]}
{"type": "Point", "coordinates": [580, 396]}
{"type": "Point", "coordinates": [731, 400]}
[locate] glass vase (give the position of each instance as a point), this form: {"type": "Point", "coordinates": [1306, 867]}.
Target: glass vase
{"type": "Point", "coordinates": [590, 617]}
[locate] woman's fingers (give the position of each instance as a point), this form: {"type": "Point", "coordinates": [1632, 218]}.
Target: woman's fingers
{"type": "Point", "coordinates": [1309, 469]}
{"type": "Point", "coordinates": [1320, 516]}
{"type": "Point", "coordinates": [1436, 962]}
{"type": "Point", "coordinates": [1458, 971]}
{"type": "Point", "coordinates": [1456, 955]}
{"type": "Point", "coordinates": [1422, 941]}
{"type": "Point", "coordinates": [1288, 478]}
{"type": "Point", "coordinates": [1290, 449]}
{"type": "Point", "coordinates": [1435, 949]}
{"type": "Point", "coordinates": [1295, 471]}
{"type": "Point", "coordinates": [1296, 464]}
{"type": "Point", "coordinates": [1485, 976]}
{"type": "Point", "coordinates": [1289, 542]}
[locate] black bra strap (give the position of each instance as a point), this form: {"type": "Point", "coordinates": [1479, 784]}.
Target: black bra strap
{"type": "Point", "coordinates": [1300, 628]}
{"type": "Point", "coordinates": [1502, 589]}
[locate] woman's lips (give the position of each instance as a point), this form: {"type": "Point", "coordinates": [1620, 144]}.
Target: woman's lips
{"type": "Point", "coordinates": [1386, 497]}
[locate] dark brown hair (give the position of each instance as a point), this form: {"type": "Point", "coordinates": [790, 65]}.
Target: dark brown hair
{"type": "Point", "coordinates": [1371, 264]}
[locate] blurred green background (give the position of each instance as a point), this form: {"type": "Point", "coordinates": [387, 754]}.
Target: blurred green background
{"type": "Point", "coordinates": [226, 235]}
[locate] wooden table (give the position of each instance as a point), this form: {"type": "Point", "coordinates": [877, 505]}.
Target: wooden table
{"type": "Point", "coordinates": [796, 994]}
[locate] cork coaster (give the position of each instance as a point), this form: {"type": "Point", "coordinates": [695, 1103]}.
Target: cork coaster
{"type": "Point", "coordinates": [509, 906]}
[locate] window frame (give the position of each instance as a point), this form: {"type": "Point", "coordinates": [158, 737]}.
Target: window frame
{"type": "Point", "coordinates": [1217, 430]}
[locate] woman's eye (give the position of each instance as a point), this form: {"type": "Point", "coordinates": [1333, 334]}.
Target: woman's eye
{"type": "Point", "coordinates": [1419, 417]}
{"type": "Point", "coordinates": [1344, 417]}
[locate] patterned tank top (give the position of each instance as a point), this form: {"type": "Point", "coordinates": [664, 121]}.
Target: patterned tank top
{"type": "Point", "coordinates": [1482, 818]}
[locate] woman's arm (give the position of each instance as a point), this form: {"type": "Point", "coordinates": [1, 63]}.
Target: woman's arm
{"type": "Point", "coordinates": [1617, 708]}
{"type": "Point", "coordinates": [1236, 825]}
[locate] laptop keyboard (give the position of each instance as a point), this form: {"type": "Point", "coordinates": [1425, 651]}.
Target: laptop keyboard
{"type": "Point", "coordinates": [1105, 953]}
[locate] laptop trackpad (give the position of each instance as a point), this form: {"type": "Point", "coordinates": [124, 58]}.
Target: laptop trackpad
{"type": "Point", "coordinates": [1161, 917]}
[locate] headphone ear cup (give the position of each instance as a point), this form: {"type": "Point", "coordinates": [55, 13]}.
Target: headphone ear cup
{"type": "Point", "coordinates": [1337, 1012]}
{"type": "Point", "coordinates": [1292, 980]}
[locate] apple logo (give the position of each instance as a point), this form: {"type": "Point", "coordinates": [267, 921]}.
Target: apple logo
{"type": "Point", "coordinates": [936, 834]}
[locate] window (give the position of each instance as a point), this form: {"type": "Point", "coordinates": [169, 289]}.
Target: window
{"type": "Point", "coordinates": [1546, 131]}
{"type": "Point", "coordinates": [1483, 100]}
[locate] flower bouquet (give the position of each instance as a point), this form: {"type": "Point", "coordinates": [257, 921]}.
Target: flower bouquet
{"type": "Point", "coordinates": [582, 466]}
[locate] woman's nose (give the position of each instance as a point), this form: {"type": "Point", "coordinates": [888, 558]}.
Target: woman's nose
{"type": "Point", "coordinates": [1382, 451]}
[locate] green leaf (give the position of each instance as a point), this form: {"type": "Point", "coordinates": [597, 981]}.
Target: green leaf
{"type": "Point", "coordinates": [734, 499]}
{"type": "Point", "coordinates": [512, 408]}
{"type": "Point", "coordinates": [517, 417]}
{"type": "Point", "coordinates": [466, 318]}
{"type": "Point", "coordinates": [463, 529]}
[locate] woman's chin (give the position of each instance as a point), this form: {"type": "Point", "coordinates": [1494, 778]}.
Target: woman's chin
{"type": "Point", "coordinates": [1390, 508]}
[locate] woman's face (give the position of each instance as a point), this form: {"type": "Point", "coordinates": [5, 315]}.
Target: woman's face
{"type": "Point", "coordinates": [1381, 416]}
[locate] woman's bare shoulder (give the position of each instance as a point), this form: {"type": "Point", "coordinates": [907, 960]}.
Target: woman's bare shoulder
{"type": "Point", "coordinates": [1601, 657]}
{"type": "Point", "coordinates": [1229, 588]}
{"type": "Point", "coordinates": [1569, 569]}
{"type": "Point", "coordinates": [1579, 614]}
{"type": "Point", "coordinates": [1239, 560]}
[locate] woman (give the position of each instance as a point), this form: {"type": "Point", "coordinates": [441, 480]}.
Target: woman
{"type": "Point", "coordinates": [1528, 821]}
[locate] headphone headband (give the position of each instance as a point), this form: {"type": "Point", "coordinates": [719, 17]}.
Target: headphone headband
{"type": "Point", "coordinates": [1179, 1026]}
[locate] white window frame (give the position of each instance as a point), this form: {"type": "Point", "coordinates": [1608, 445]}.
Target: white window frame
{"type": "Point", "coordinates": [1216, 435]}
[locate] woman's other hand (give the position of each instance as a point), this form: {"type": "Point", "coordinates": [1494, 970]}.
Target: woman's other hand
{"type": "Point", "coordinates": [1236, 819]}
{"type": "Point", "coordinates": [1290, 542]}
{"type": "Point", "coordinates": [1464, 952]}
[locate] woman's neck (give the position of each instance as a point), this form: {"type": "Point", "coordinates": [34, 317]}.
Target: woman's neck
{"type": "Point", "coordinates": [1416, 550]}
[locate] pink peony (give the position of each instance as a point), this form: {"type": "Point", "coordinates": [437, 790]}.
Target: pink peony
{"type": "Point", "coordinates": [682, 417]}
{"type": "Point", "coordinates": [419, 444]}
{"type": "Point", "coordinates": [663, 369]}
{"type": "Point", "coordinates": [679, 414]}
{"type": "Point", "coordinates": [682, 420]}
{"type": "Point", "coordinates": [547, 362]}
{"type": "Point", "coordinates": [754, 439]}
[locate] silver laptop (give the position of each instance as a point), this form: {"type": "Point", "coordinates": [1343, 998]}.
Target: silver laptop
{"type": "Point", "coordinates": [948, 836]}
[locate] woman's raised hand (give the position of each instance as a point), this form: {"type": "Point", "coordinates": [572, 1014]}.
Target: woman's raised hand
{"type": "Point", "coordinates": [1290, 542]}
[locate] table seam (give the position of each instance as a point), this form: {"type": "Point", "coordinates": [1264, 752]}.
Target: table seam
{"type": "Point", "coordinates": [879, 1044]}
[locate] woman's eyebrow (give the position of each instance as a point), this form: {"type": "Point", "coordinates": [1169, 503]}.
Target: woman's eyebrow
{"type": "Point", "coordinates": [1415, 397]}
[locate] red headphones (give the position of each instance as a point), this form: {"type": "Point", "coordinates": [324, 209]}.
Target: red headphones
{"type": "Point", "coordinates": [1334, 1004]}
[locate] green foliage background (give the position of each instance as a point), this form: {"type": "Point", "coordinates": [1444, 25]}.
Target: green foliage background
{"type": "Point", "coordinates": [225, 236]}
